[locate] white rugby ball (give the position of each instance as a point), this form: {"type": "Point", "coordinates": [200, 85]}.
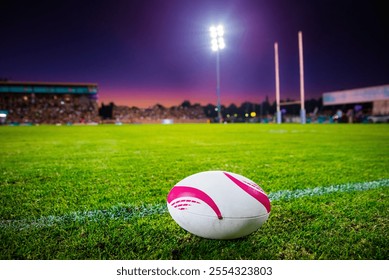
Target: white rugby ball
{"type": "Point", "coordinates": [218, 205]}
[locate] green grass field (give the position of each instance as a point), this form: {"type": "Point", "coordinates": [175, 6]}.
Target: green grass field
{"type": "Point", "coordinates": [83, 192]}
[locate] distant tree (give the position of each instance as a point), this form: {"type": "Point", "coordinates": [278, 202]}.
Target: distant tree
{"type": "Point", "coordinates": [246, 107]}
{"type": "Point", "coordinates": [106, 111]}
{"type": "Point", "coordinates": [159, 106]}
{"type": "Point", "coordinates": [186, 104]}
{"type": "Point", "coordinates": [266, 106]}
{"type": "Point", "coordinates": [232, 109]}
{"type": "Point", "coordinates": [209, 111]}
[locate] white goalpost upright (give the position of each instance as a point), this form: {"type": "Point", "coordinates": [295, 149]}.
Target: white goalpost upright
{"type": "Point", "coordinates": [277, 82]}
{"type": "Point", "coordinates": [302, 93]}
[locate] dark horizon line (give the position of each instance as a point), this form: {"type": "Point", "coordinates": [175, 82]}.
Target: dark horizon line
{"type": "Point", "coordinates": [190, 104]}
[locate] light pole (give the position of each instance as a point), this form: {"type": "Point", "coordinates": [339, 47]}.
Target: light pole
{"type": "Point", "coordinates": [218, 44]}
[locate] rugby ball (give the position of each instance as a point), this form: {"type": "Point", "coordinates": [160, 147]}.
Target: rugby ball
{"type": "Point", "coordinates": [218, 205]}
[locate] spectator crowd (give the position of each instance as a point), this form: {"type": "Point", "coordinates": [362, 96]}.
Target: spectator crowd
{"type": "Point", "coordinates": [158, 113]}
{"type": "Point", "coordinates": [49, 109]}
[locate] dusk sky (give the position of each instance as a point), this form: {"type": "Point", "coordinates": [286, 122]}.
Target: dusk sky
{"type": "Point", "coordinates": [145, 52]}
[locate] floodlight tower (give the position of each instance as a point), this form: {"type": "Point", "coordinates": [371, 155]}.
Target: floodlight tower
{"type": "Point", "coordinates": [218, 44]}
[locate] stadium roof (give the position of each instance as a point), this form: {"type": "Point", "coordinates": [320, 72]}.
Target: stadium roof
{"type": "Point", "coordinates": [47, 87]}
{"type": "Point", "coordinates": [367, 94]}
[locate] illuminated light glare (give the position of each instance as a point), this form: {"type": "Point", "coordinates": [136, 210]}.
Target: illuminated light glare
{"type": "Point", "coordinates": [220, 30]}
{"type": "Point", "coordinates": [215, 47]}
{"type": "Point", "coordinates": [3, 115]}
{"type": "Point", "coordinates": [213, 31]}
{"type": "Point", "coordinates": [216, 33]}
{"type": "Point", "coordinates": [221, 43]}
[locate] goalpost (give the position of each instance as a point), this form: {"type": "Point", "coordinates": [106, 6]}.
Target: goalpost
{"type": "Point", "coordinates": [302, 93]}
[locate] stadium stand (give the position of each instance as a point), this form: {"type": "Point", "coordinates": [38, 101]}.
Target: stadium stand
{"type": "Point", "coordinates": [76, 103]}
{"type": "Point", "coordinates": [51, 103]}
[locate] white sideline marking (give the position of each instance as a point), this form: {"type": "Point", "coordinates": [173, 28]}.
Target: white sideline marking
{"type": "Point", "coordinates": [287, 195]}
{"type": "Point", "coordinates": [128, 212]}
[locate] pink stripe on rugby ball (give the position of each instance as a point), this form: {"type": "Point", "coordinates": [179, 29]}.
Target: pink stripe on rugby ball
{"type": "Point", "coordinates": [182, 191]}
{"type": "Point", "coordinates": [251, 190]}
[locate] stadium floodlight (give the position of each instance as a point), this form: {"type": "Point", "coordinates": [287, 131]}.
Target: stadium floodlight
{"type": "Point", "coordinates": [217, 41]}
{"type": "Point", "coordinates": [217, 44]}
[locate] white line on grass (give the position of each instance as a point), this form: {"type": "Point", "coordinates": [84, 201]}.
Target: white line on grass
{"type": "Point", "coordinates": [350, 187]}
{"type": "Point", "coordinates": [128, 212]}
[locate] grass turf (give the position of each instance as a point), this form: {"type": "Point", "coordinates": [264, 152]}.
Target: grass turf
{"type": "Point", "coordinates": [50, 171]}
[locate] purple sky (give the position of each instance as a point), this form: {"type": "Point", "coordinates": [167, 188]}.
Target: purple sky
{"type": "Point", "coordinates": [146, 52]}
